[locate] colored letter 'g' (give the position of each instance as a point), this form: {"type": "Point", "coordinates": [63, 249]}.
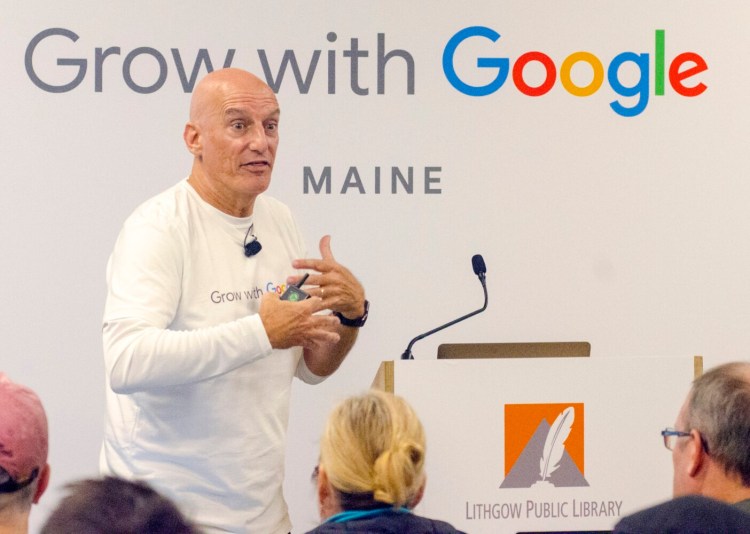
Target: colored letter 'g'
{"type": "Point", "coordinates": [501, 64]}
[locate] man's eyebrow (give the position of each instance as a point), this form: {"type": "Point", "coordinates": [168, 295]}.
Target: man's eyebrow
{"type": "Point", "coordinates": [275, 114]}
{"type": "Point", "coordinates": [235, 112]}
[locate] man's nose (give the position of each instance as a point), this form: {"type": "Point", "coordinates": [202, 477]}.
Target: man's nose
{"type": "Point", "coordinates": [257, 138]}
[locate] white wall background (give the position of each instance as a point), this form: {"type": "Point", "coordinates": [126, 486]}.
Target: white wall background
{"type": "Point", "coordinates": [630, 233]}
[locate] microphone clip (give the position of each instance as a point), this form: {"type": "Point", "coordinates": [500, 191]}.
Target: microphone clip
{"type": "Point", "coordinates": [254, 246]}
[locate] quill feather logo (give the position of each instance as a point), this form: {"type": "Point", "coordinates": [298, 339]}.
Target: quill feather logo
{"type": "Point", "coordinates": [544, 445]}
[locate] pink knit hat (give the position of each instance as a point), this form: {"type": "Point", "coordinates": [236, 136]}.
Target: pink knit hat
{"type": "Point", "coordinates": [23, 430]}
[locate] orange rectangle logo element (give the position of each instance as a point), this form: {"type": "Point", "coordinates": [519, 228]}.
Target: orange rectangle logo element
{"type": "Point", "coordinates": [544, 445]}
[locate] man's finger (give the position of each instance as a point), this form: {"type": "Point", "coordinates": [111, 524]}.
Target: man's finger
{"type": "Point", "coordinates": [325, 248]}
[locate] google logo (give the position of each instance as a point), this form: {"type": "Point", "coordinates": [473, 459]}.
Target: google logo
{"type": "Point", "coordinates": [682, 67]}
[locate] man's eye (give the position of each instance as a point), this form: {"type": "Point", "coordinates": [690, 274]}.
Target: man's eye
{"type": "Point", "coordinates": [238, 125]}
{"type": "Point", "coordinates": [271, 126]}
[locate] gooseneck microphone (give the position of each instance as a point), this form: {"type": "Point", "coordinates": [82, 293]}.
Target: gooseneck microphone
{"type": "Point", "coordinates": [480, 269]}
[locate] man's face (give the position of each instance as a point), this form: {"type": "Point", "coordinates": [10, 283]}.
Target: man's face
{"type": "Point", "coordinates": [239, 137]}
{"type": "Point", "coordinates": [681, 482]}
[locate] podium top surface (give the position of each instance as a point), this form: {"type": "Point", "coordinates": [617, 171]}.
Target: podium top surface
{"type": "Point", "coordinates": [544, 349]}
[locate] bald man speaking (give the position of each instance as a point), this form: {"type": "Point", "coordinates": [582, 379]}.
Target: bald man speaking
{"type": "Point", "coordinates": [199, 353]}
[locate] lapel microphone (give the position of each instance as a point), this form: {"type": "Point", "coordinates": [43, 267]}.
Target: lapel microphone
{"type": "Point", "coordinates": [254, 246]}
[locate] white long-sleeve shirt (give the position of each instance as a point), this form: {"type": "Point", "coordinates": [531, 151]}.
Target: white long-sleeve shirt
{"type": "Point", "coordinates": [197, 400]}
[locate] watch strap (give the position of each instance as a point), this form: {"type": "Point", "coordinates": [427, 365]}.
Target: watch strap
{"type": "Point", "coordinates": [355, 323]}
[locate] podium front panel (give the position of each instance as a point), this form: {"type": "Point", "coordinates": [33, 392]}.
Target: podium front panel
{"type": "Point", "coordinates": [544, 444]}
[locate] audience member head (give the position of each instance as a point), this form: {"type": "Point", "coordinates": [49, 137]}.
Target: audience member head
{"type": "Point", "coordinates": [713, 459]}
{"type": "Point", "coordinates": [371, 454]}
{"type": "Point", "coordinates": [115, 506]}
{"type": "Point", "coordinates": [24, 472]}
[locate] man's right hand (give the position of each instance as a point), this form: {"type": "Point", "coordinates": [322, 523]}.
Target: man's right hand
{"type": "Point", "coordinates": [294, 324]}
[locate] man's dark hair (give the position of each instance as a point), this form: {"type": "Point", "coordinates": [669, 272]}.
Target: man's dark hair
{"type": "Point", "coordinates": [115, 506]}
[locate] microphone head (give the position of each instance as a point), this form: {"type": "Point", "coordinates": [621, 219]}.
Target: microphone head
{"type": "Point", "coordinates": [252, 248]}
{"type": "Point", "coordinates": [477, 262]}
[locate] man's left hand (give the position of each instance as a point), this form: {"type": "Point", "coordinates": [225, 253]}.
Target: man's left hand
{"type": "Point", "coordinates": [336, 285]}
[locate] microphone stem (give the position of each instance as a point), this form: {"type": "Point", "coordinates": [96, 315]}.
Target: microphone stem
{"type": "Point", "coordinates": [407, 355]}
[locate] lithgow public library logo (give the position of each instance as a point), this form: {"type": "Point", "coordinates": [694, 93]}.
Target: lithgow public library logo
{"type": "Point", "coordinates": [544, 446]}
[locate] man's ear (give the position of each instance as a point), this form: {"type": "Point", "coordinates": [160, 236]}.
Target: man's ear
{"type": "Point", "coordinates": [43, 482]}
{"type": "Point", "coordinates": [192, 138]}
{"type": "Point", "coordinates": [696, 454]}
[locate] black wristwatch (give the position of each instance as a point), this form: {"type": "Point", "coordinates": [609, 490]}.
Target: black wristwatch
{"type": "Point", "coordinates": [356, 323]}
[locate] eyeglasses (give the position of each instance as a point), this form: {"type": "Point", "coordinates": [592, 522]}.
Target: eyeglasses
{"type": "Point", "coordinates": [8, 485]}
{"type": "Point", "coordinates": [670, 436]}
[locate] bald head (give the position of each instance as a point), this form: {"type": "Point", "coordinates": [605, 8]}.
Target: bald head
{"type": "Point", "coordinates": [216, 86]}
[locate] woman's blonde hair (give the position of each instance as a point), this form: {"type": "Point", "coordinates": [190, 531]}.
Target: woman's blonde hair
{"type": "Point", "coordinates": [374, 444]}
